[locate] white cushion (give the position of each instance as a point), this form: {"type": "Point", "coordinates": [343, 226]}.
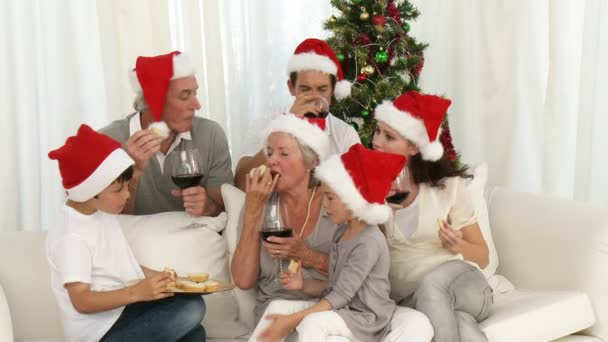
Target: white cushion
{"type": "Point", "coordinates": [524, 316]}
{"type": "Point", "coordinates": [6, 325]}
{"type": "Point", "coordinates": [156, 243]}
{"type": "Point", "coordinates": [477, 189]}
{"type": "Point", "coordinates": [579, 338]}
{"type": "Point", "coordinates": [234, 200]}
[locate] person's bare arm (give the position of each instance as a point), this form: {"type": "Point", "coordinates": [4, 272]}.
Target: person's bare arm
{"type": "Point", "coordinates": [467, 241]}
{"type": "Point", "coordinates": [245, 165]}
{"type": "Point", "coordinates": [245, 266]}
{"type": "Point", "coordinates": [86, 301]}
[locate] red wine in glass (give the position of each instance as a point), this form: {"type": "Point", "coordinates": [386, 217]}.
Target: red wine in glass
{"type": "Point", "coordinates": [397, 197]}
{"type": "Point", "coordinates": [282, 232]}
{"type": "Point", "coordinates": [187, 181]}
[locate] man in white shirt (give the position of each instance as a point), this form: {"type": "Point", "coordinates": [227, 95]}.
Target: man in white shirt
{"type": "Point", "coordinates": [314, 71]}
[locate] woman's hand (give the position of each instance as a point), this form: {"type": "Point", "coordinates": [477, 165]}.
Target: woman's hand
{"type": "Point", "coordinates": [451, 239]}
{"type": "Point", "coordinates": [286, 248]}
{"type": "Point", "coordinates": [279, 328]}
{"type": "Point", "coordinates": [258, 188]}
{"type": "Point", "coordinates": [293, 281]}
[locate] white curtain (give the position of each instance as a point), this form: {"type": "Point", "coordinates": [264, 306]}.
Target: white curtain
{"type": "Point", "coordinates": [52, 80]}
{"type": "Point", "coordinates": [526, 79]}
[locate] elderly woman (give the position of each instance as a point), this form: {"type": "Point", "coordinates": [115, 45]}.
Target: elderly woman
{"type": "Point", "coordinates": [294, 147]}
{"type": "Point", "coordinates": [437, 248]}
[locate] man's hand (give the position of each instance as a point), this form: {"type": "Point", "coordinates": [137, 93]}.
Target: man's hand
{"type": "Point", "coordinates": [195, 199]}
{"type": "Point", "coordinates": [141, 146]}
{"type": "Point", "coordinates": [304, 104]}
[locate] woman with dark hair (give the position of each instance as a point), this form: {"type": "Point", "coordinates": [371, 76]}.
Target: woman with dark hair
{"type": "Point", "coordinates": [437, 248]}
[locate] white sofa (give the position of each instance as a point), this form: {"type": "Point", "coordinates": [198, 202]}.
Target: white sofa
{"type": "Point", "coordinates": [556, 250]}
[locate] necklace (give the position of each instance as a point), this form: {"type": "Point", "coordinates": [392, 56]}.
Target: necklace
{"type": "Point", "coordinates": [314, 190]}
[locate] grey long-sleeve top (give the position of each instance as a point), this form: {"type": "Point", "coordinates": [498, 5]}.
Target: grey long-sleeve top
{"type": "Point", "coordinates": [358, 287]}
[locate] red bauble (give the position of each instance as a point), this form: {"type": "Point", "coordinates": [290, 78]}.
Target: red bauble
{"type": "Point", "coordinates": [378, 20]}
{"type": "Point", "coordinates": [361, 78]}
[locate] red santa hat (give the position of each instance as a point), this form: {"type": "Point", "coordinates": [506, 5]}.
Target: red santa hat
{"type": "Point", "coordinates": [89, 162]}
{"type": "Point", "coordinates": [362, 178]}
{"type": "Point", "coordinates": [309, 131]}
{"type": "Point", "coordinates": [152, 76]}
{"type": "Point", "coordinates": [315, 54]}
{"type": "Point", "coordinates": [418, 118]}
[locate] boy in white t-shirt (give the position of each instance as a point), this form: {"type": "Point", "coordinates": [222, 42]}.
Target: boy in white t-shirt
{"type": "Point", "coordinates": [90, 260]}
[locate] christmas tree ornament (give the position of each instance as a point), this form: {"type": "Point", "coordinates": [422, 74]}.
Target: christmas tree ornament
{"type": "Point", "coordinates": [381, 57]}
{"type": "Point", "coordinates": [379, 28]}
{"type": "Point", "coordinates": [333, 19]}
{"type": "Point", "coordinates": [364, 16]}
{"type": "Point", "coordinates": [406, 27]}
{"type": "Point", "coordinates": [340, 57]}
{"type": "Point", "coordinates": [361, 78]}
{"type": "Point", "coordinates": [378, 19]}
{"type": "Point", "coordinates": [365, 113]}
{"type": "Point", "coordinates": [368, 70]}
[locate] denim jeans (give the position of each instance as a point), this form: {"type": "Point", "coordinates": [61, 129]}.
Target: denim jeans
{"type": "Point", "coordinates": [455, 296]}
{"type": "Point", "coordinates": [176, 318]}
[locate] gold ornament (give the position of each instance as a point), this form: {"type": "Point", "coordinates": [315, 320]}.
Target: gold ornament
{"type": "Point", "coordinates": [379, 28]}
{"type": "Point", "coordinates": [364, 16]}
{"type": "Point", "coordinates": [368, 70]}
{"type": "Point", "coordinates": [333, 19]}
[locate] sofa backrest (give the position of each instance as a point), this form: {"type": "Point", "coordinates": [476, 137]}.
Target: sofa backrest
{"type": "Point", "coordinates": [548, 244]}
{"type": "Point", "coordinates": [25, 278]}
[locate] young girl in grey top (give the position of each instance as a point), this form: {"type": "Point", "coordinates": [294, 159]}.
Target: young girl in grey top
{"type": "Point", "coordinates": [354, 303]}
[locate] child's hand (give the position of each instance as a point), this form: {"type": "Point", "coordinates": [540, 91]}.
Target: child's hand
{"type": "Point", "coordinates": [451, 239]}
{"type": "Point", "coordinates": [293, 279]}
{"type": "Point", "coordinates": [278, 329]}
{"type": "Point", "coordinates": [153, 287]}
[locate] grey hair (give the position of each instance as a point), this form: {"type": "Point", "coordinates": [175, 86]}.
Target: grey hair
{"type": "Point", "coordinates": [311, 160]}
{"type": "Point", "coordinates": [139, 103]}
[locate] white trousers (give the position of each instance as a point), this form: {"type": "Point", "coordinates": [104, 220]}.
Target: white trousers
{"type": "Point", "coordinates": [407, 325]}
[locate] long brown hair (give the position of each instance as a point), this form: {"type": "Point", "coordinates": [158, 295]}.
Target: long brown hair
{"type": "Point", "coordinates": [434, 173]}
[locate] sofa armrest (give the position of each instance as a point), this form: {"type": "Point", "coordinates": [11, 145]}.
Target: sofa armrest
{"type": "Point", "coordinates": [548, 244]}
{"type": "Point", "coordinates": [6, 325]}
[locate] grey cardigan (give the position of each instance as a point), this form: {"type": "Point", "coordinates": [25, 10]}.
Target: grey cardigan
{"type": "Point", "coordinates": [359, 288]}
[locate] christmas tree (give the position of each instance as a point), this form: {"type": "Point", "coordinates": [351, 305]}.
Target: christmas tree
{"type": "Point", "coordinates": [372, 43]}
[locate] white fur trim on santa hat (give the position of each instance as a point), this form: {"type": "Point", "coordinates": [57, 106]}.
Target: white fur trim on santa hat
{"type": "Point", "coordinates": [342, 89]}
{"type": "Point", "coordinates": [410, 128]}
{"type": "Point", "coordinates": [311, 61]}
{"type": "Point", "coordinates": [106, 173]}
{"type": "Point", "coordinates": [309, 134]}
{"type": "Point", "coordinates": [182, 67]}
{"type": "Point", "coordinates": [333, 173]}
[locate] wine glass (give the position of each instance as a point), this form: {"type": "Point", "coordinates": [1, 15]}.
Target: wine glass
{"type": "Point", "coordinates": [187, 172]}
{"type": "Point", "coordinates": [274, 225]}
{"type": "Point", "coordinates": [321, 103]}
{"type": "Point", "coordinates": [400, 190]}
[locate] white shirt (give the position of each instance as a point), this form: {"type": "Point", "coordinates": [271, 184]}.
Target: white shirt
{"type": "Point", "coordinates": [408, 218]}
{"type": "Point", "coordinates": [135, 126]}
{"type": "Point", "coordinates": [341, 135]}
{"type": "Point", "coordinates": [89, 249]}
{"type": "Point", "coordinates": [415, 255]}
